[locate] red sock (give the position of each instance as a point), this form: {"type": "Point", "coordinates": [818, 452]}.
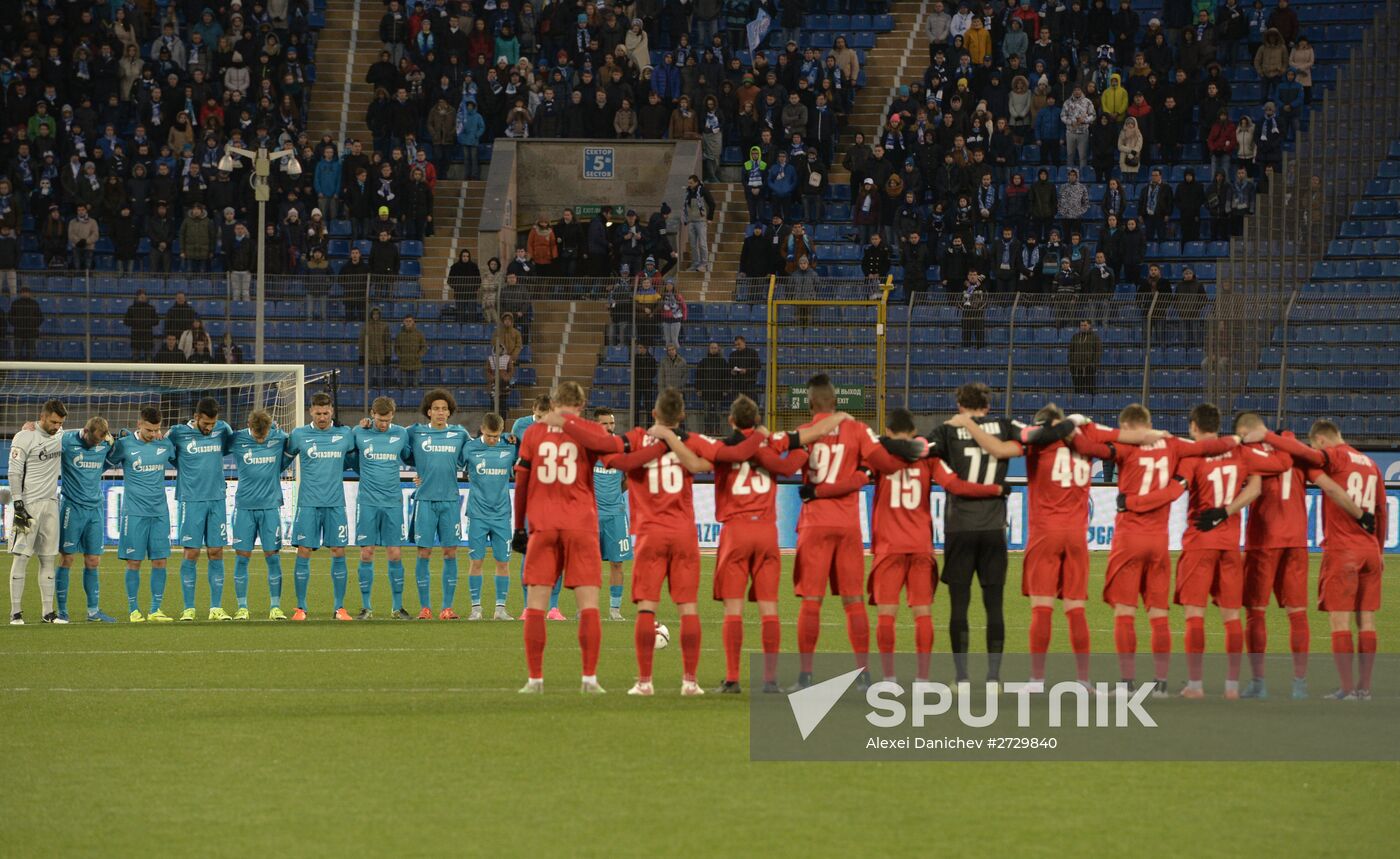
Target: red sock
{"type": "Point", "coordinates": [1125, 642]}
{"type": "Point", "coordinates": [1366, 646]}
{"type": "Point", "coordinates": [534, 642]}
{"type": "Point", "coordinates": [923, 642]}
{"type": "Point", "coordinates": [884, 637]}
{"type": "Point", "coordinates": [1341, 655]}
{"type": "Point", "coordinates": [858, 631]}
{"type": "Point", "coordinates": [1041, 618]}
{"type": "Point", "coordinates": [733, 634]}
{"type": "Point", "coordinates": [1257, 633]}
{"type": "Point", "coordinates": [1195, 646]}
{"type": "Point", "coordinates": [772, 643]}
{"type": "Point", "coordinates": [644, 636]}
{"type": "Point", "coordinates": [1079, 640]}
{"type": "Point", "coordinates": [1234, 647]}
{"type": "Point", "coordinates": [590, 636]}
{"type": "Point", "coordinates": [1161, 647]}
{"type": "Point", "coordinates": [809, 628]}
{"type": "Point", "coordinates": [1299, 641]}
{"type": "Point", "coordinates": [690, 645]}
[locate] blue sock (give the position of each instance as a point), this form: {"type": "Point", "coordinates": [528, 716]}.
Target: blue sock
{"type": "Point", "coordinates": [60, 589]}
{"type": "Point", "coordinates": [274, 579]}
{"type": "Point", "coordinates": [92, 588]}
{"type": "Point", "coordinates": [449, 581]}
{"type": "Point", "coordinates": [157, 587]}
{"type": "Point", "coordinates": [474, 585]}
{"type": "Point", "coordinates": [502, 589]}
{"type": "Point", "coordinates": [425, 585]}
{"type": "Point", "coordinates": [301, 573]}
{"type": "Point", "coordinates": [188, 572]}
{"type": "Point", "coordinates": [240, 579]}
{"type": "Point", "coordinates": [615, 596]}
{"type": "Point", "coordinates": [396, 583]}
{"type": "Point", "coordinates": [366, 577]}
{"type": "Point", "coordinates": [339, 577]}
{"type": "Point", "coordinates": [133, 587]}
{"type": "Point", "coordinates": [216, 582]}
{"type": "Point", "coordinates": [554, 593]}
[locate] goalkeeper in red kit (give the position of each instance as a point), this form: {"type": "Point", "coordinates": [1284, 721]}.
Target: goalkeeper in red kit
{"type": "Point", "coordinates": [554, 489]}
{"type": "Point", "coordinates": [1353, 533]}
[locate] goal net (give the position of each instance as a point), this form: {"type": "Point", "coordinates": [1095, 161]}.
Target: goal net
{"type": "Point", "coordinates": [828, 326]}
{"type": "Point", "coordinates": [117, 392]}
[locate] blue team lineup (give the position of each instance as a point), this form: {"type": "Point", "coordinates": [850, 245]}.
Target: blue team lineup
{"type": "Point", "coordinates": [59, 511]}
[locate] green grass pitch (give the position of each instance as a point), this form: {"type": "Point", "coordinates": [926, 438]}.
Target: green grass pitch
{"type": "Point", "coordinates": [405, 739]}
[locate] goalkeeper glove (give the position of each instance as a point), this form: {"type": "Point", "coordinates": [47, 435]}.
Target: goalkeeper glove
{"type": "Point", "coordinates": [1367, 520]}
{"type": "Point", "coordinates": [908, 449]}
{"type": "Point", "coordinates": [806, 492]}
{"type": "Point", "coordinates": [1006, 490]}
{"type": "Point", "coordinates": [24, 521]}
{"type": "Point", "coordinates": [1211, 518]}
{"type": "Point", "coordinates": [1122, 503]}
{"type": "Point", "coordinates": [519, 540]}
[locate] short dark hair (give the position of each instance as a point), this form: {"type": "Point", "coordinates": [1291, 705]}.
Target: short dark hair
{"type": "Point", "coordinates": [55, 407]}
{"type": "Point", "coordinates": [974, 395]}
{"type": "Point", "coordinates": [1206, 417]}
{"type": "Point", "coordinates": [493, 422]}
{"type": "Point", "coordinates": [900, 420]}
{"type": "Point", "coordinates": [150, 414]}
{"type": "Point", "coordinates": [670, 406]}
{"type": "Point", "coordinates": [744, 412]}
{"type": "Point", "coordinates": [601, 412]}
{"type": "Point", "coordinates": [383, 406]}
{"type": "Point", "coordinates": [438, 394]}
{"type": "Point", "coordinates": [207, 407]}
{"type": "Point", "coordinates": [320, 399]}
{"type": "Point", "coordinates": [821, 393]}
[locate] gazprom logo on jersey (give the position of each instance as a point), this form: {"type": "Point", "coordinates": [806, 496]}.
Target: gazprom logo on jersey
{"type": "Point", "coordinates": [254, 458]}
{"type": "Point", "coordinates": [314, 452]}
{"type": "Point", "coordinates": [484, 470]}
{"type": "Point", "coordinates": [427, 446]}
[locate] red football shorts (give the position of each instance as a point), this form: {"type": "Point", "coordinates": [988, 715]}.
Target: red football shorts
{"type": "Point", "coordinates": [1203, 574]}
{"type": "Point", "coordinates": [672, 558]}
{"type": "Point", "coordinates": [914, 572]}
{"type": "Point", "coordinates": [1281, 572]}
{"type": "Point", "coordinates": [829, 557]}
{"type": "Point", "coordinates": [1138, 567]}
{"type": "Point", "coordinates": [1056, 565]}
{"type": "Point", "coordinates": [574, 554]}
{"type": "Point", "coordinates": [748, 562]}
{"type": "Point", "coordinates": [1350, 581]}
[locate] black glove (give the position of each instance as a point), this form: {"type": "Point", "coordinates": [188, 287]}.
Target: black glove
{"type": "Point", "coordinates": [1211, 518]}
{"type": "Point", "coordinates": [1367, 520]}
{"type": "Point", "coordinates": [734, 438]}
{"type": "Point", "coordinates": [806, 492]}
{"type": "Point", "coordinates": [1122, 503]}
{"type": "Point", "coordinates": [1006, 490]}
{"type": "Point", "coordinates": [23, 520]}
{"type": "Point", "coordinates": [519, 540]}
{"type": "Point", "coordinates": [911, 450]}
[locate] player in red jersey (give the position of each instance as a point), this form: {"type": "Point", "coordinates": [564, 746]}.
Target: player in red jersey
{"type": "Point", "coordinates": [748, 563]}
{"type": "Point", "coordinates": [1209, 566]}
{"type": "Point", "coordinates": [1276, 563]}
{"type": "Point", "coordinates": [1353, 534]}
{"type": "Point", "coordinates": [663, 518]}
{"type": "Point", "coordinates": [830, 550]}
{"type": "Point", "coordinates": [1139, 564]}
{"type": "Point", "coordinates": [554, 489]}
{"type": "Point", "coordinates": [901, 538]}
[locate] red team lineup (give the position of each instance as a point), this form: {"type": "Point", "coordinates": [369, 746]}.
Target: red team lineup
{"type": "Point", "coordinates": [837, 455]}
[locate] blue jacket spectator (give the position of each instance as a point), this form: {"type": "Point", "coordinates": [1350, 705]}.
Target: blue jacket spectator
{"type": "Point", "coordinates": [666, 78]}
{"type": "Point", "coordinates": [1047, 123]}
{"type": "Point", "coordinates": [782, 177]}
{"type": "Point", "coordinates": [327, 180]}
{"type": "Point", "coordinates": [470, 125]}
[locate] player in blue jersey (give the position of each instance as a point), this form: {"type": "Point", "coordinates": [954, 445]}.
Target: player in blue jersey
{"type": "Point", "coordinates": [325, 450]}
{"type": "Point", "coordinates": [539, 408]}
{"type": "Point", "coordinates": [200, 446]}
{"type": "Point", "coordinates": [258, 453]}
{"type": "Point", "coordinates": [438, 456]}
{"type": "Point", "coordinates": [383, 448]}
{"type": "Point", "coordinates": [614, 533]}
{"type": "Point", "coordinates": [490, 466]}
{"type": "Point", "coordinates": [144, 532]}
{"type": "Point", "coordinates": [81, 515]}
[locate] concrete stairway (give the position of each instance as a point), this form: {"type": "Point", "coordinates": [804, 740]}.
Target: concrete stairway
{"type": "Point", "coordinates": [344, 51]}
{"type": "Point", "coordinates": [456, 213]}
{"type": "Point", "coordinates": [566, 342]}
